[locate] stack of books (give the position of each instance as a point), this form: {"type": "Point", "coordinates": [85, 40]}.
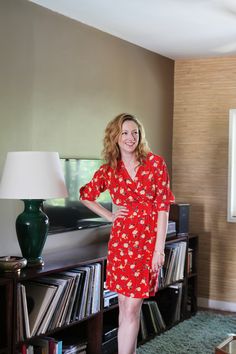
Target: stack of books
{"type": "Point", "coordinates": [56, 300]}
{"type": "Point", "coordinates": [110, 298]}
{"type": "Point", "coordinates": [151, 319]}
{"type": "Point", "coordinates": [48, 345]}
{"type": "Point", "coordinates": [173, 269]}
{"type": "Point", "coordinates": [190, 261]}
{"type": "Point", "coordinates": [169, 301]}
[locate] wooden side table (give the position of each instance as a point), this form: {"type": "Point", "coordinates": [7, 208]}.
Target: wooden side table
{"type": "Point", "coordinates": [228, 346]}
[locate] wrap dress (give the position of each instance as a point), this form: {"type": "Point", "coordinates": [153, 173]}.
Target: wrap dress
{"type": "Point", "coordinates": [132, 240]}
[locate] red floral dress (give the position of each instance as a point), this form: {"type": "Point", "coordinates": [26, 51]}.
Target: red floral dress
{"type": "Point", "coordinates": [133, 238]}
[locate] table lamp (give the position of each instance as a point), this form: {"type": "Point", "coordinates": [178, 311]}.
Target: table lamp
{"type": "Point", "coordinates": [32, 176]}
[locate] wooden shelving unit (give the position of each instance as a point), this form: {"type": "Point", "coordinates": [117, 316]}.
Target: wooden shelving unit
{"type": "Point", "coordinates": [192, 276]}
{"type": "Point", "coordinates": [90, 328]}
{"type": "Point", "coordinates": [6, 315]}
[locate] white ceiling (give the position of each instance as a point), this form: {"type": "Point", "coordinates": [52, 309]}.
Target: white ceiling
{"type": "Point", "coordinates": [174, 28]}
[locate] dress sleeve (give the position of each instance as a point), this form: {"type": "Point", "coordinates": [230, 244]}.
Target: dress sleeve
{"type": "Point", "coordinates": [95, 187]}
{"type": "Point", "coordinates": [165, 197]}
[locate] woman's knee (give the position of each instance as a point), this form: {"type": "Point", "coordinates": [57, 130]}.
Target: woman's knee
{"type": "Point", "coordinates": [130, 308]}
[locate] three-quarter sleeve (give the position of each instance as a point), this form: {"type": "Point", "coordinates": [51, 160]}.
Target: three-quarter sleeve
{"type": "Point", "coordinates": [96, 186]}
{"type": "Point", "coordinates": [165, 196]}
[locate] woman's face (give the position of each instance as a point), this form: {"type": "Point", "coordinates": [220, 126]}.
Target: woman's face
{"type": "Point", "coordinates": [129, 137]}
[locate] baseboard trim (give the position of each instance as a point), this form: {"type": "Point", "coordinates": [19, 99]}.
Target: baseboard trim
{"type": "Point", "coordinates": [217, 305]}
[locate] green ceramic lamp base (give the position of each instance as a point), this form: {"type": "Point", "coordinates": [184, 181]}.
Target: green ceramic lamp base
{"type": "Point", "coordinates": [32, 229]}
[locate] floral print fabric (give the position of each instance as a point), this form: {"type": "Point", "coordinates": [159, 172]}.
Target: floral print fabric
{"type": "Point", "coordinates": [133, 238]}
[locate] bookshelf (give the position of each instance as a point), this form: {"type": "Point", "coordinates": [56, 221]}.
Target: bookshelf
{"type": "Point", "coordinates": [6, 312]}
{"type": "Point", "coordinates": [88, 328]}
{"type": "Point", "coordinates": [192, 275]}
{"type": "Point", "coordinates": [169, 305]}
{"type": "Point", "coordinates": [97, 329]}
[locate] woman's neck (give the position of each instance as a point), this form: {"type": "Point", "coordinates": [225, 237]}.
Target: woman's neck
{"type": "Point", "coordinates": [129, 158]}
{"type": "Point", "coordinates": [131, 163]}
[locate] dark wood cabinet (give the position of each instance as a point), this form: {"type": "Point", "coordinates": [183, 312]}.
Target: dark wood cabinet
{"type": "Point", "coordinates": [6, 316]}
{"type": "Point", "coordinates": [192, 275]}
{"type": "Point", "coordinates": [88, 329]}
{"type": "Point", "coordinates": [92, 328]}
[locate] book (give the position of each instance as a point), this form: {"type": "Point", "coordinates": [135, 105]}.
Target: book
{"type": "Point", "coordinates": [181, 261]}
{"type": "Point", "coordinates": [26, 321]}
{"type": "Point", "coordinates": [96, 295]}
{"type": "Point", "coordinates": [58, 346]}
{"type": "Point", "coordinates": [39, 297]}
{"type": "Point", "coordinates": [143, 327]}
{"type": "Point", "coordinates": [190, 261]}
{"type": "Point", "coordinates": [151, 319]}
{"type": "Point", "coordinates": [73, 298]}
{"type": "Point", "coordinates": [23, 348]}
{"type": "Point", "coordinates": [169, 269]}
{"type": "Point", "coordinates": [174, 262]}
{"type": "Point", "coordinates": [45, 345]}
{"type": "Point", "coordinates": [55, 317]}
{"type": "Point", "coordinates": [62, 303]}
{"type": "Point", "coordinates": [81, 303]}
{"type": "Point", "coordinates": [84, 300]}
{"type": "Point", "coordinates": [66, 298]}
{"type": "Point", "coordinates": [148, 320]}
{"type": "Point", "coordinates": [59, 284]}
{"type": "Point", "coordinates": [79, 294]}
{"type": "Point", "coordinates": [154, 322]}
{"type": "Point", "coordinates": [20, 320]}
{"type": "Point", "coordinates": [158, 317]}
{"type": "Point", "coordinates": [91, 275]}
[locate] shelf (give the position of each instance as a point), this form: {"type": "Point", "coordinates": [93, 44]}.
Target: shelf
{"type": "Point", "coordinates": [60, 261]}
{"type": "Point", "coordinates": [6, 312]}
{"type": "Point", "coordinates": [176, 239]}
{"type": "Point", "coordinates": [110, 308]}
{"type": "Point", "coordinates": [90, 328]}
{"type": "Point", "coordinates": [173, 283]}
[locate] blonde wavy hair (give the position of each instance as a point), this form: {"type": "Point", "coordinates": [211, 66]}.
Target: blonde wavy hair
{"type": "Point", "coordinates": [111, 150]}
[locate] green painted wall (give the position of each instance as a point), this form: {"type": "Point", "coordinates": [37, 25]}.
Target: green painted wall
{"type": "Point", "coordinates": [61, 82]}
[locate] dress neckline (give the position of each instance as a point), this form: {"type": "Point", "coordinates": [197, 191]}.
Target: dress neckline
{"type": "Point", "coordinates": [127, 173]}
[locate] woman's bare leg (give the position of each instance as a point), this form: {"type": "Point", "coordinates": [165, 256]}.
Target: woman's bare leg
{"type": "Point", "coordinates": [129, 322]}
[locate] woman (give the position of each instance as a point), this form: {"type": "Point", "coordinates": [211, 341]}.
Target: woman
{"type": "Point", "coordinates": [138, 183]}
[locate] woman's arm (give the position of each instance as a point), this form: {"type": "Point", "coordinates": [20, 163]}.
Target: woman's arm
{"type": "Point", "coordinates": [159, 250]}
{"type": "Point", "coordinates": [162, 224]}
{"type": "Point", "coordinates": [98, 209]}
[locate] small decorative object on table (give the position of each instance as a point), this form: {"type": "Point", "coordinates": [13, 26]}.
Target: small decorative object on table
{"type": "Point", "coordinates": [12, 263]}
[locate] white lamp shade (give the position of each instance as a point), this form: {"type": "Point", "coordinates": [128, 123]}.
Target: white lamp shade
{"type": "Point", "coordinates": [32, 175]}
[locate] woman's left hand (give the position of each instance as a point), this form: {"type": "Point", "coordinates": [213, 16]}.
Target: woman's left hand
{"type": "Point", "coordinates": [158, 260]}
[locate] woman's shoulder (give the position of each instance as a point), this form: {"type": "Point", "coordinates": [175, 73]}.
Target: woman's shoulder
{"type": "Point", "coordinates": [155, 159]}
{"type": "Point", "coordinates": [105, 170]}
